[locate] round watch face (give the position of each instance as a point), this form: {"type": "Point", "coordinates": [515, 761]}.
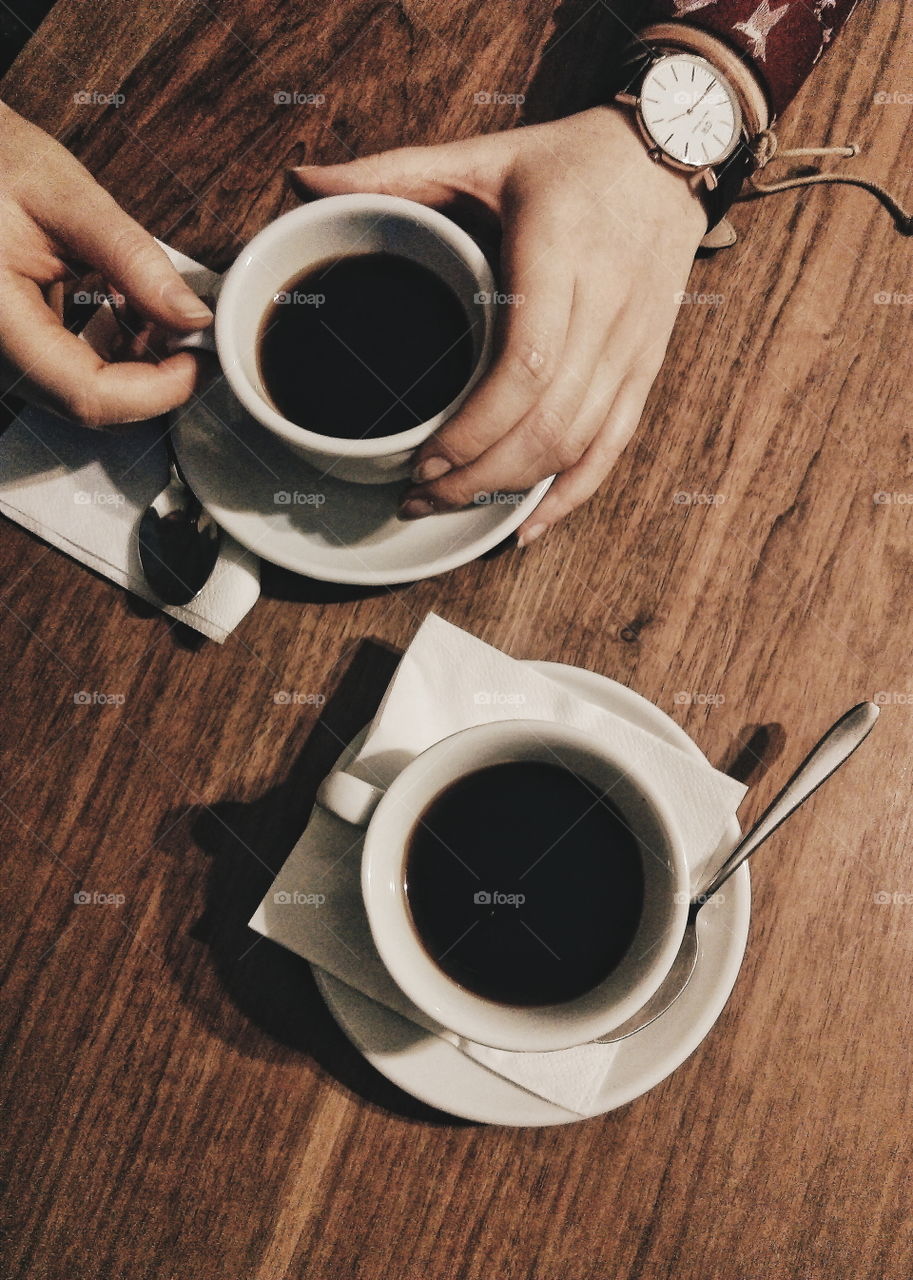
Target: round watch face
{"type": "Point", "coordinates": [689, 110]}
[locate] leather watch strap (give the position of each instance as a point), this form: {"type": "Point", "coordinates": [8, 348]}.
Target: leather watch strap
{"type": "Point", "coordinates": [731, 176]}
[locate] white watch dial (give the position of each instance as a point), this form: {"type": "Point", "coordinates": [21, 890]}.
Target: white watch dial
{"type": "Point", "coordinates": [689, 110]}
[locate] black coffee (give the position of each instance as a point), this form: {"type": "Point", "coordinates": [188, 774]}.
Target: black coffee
{"type": "Point", "coordinates": [525, 886]}
{"type": "Point", "coordinates": [365, 346]}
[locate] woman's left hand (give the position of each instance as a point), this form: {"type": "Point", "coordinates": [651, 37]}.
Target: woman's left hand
{"type": "Point", "coordinates": [597, 242]}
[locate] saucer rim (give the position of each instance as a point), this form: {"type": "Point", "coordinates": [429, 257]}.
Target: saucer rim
{"type": "Point", "coordinates": [236, 523]}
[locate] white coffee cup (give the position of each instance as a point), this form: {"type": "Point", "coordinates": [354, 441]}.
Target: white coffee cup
{"type": "Point", "coordinates": [390, 816]}
{"type": "Point", "coordinates": [335, 227]}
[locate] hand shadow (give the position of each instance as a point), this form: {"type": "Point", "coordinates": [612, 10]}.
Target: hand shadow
{"type": "Point", "coordinates": [247, 843]}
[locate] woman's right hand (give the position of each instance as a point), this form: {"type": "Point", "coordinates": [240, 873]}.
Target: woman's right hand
{"type": "Point", "coordinates": [54, 216]}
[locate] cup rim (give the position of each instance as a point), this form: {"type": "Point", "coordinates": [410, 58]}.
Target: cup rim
{"type": "Point", "coordinates": [306, 215]}
{"type": "Point", "coordinates": [512, 1028]}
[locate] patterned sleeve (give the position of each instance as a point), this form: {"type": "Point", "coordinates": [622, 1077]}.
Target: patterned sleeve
{"type": "Point", "coordinates": [782, 40]}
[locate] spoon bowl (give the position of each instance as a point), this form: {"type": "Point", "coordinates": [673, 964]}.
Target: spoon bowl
{"type": "Point", "coordinates": [178, 540]}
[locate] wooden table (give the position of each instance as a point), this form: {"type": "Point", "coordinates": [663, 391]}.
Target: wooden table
{"type": "Point", "coordinates": [180, 1103]}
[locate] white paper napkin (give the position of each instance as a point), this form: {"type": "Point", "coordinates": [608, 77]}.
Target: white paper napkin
{"type": "Point", "coordinates": [84, 492]}
{"type": "Point", "coordinates": [448, 680]}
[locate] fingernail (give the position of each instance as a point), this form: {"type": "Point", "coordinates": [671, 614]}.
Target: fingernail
{"type": "Point", "coordinates": [431, 469]}
{"type": "Point", "coordinates": [531, 534]}
{"type": "Point", "coordinates": [183, 299]}
{"type": "Point", "coordinates": [302, 175]}
{"type": "Point", "coordinates": [415, 508]}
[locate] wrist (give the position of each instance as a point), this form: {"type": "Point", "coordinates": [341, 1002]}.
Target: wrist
{"type": "Point", "coordinates": [659, 188]}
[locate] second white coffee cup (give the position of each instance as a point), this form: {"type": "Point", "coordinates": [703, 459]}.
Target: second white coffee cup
{"type": "Point", "coordinates": [390, 816]}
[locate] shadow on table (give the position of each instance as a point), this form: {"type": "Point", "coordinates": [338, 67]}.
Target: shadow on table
{"type": "Point", "coordinates": [18, 21]}
{"type": "Point", "coordinates": [281, 584]}
{"type": "Point", "coordinates": [754, 749]}
{"type": "Point", "coordinates": [580, 57]}
{"type": "Point", "coordinates": [277, 583]}
{"type": "Point", "coordinates": [247, 844]}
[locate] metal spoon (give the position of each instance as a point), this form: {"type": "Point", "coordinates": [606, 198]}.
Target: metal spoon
{"type": "Point", "coordinates": [837, 745]}
{"type": "Point", "coordinates": [178, 540]}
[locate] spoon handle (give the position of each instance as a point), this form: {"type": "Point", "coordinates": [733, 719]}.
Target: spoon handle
{"type": "Point", "coordinates": [840, 741]}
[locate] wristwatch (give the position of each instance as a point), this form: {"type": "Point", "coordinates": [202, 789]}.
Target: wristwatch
{"type": "Point", "coordinates": [691, 118]}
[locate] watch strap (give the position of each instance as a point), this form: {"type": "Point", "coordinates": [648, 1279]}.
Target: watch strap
{"type": "Point", "coordinates": [731, 176]}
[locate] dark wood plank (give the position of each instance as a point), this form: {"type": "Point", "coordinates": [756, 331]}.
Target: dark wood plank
{"type": "Point", "coordinates": [179, 1102]}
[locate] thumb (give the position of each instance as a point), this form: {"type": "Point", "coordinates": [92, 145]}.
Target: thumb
{"type": "Point", "coordinates": [434, 176]}
{"type": "Point", "coordinates": [100, 233]}
{"type": "Point", "coordinates": [145, 275]}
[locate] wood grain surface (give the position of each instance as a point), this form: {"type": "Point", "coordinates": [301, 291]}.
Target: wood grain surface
{"type": "Point", "coordinates": [178, 1101]}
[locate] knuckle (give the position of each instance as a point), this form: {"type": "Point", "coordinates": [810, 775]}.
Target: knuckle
{"type": "Point", "coordinates": [459, 447]}
{"type": "Point", "coordinates": [549, 434]}
{"type": "Point", "coordinates": [131, 247]}
{"type": "Point", "coordinates": [566, 455]}
{"type": "Point", "coordinates": [83, 405]}
{"type": "Point", "coordinates": [459, 492]}
{"type": "Point", "coordinates": [529, 363]}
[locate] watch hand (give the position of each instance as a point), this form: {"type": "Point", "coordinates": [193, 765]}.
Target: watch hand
{"type": "Point", "coordinates": [710, 86]}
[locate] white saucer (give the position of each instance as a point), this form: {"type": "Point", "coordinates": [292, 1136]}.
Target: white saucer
{"type": "Point", "coordinates": [435, 1072]}
{"type": "Point", "coordinates": [237, 469]}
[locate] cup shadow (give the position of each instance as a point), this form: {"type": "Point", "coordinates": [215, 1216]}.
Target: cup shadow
{"type": "Point", "coordinates": [246, 844]}
{"type": "Point", "coordinates": [277, 583]}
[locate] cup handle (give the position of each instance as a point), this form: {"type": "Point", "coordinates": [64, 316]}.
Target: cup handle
{"type": "Point", "coordinates": [349, 797]}
{"type": "Point", "coordinates": [200, 339]}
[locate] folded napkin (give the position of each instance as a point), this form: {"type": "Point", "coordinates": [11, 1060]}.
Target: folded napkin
{"type": "Point", "coordinates": [84, 491]}
{"type": "Point", "coordinates": [446, 681]}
